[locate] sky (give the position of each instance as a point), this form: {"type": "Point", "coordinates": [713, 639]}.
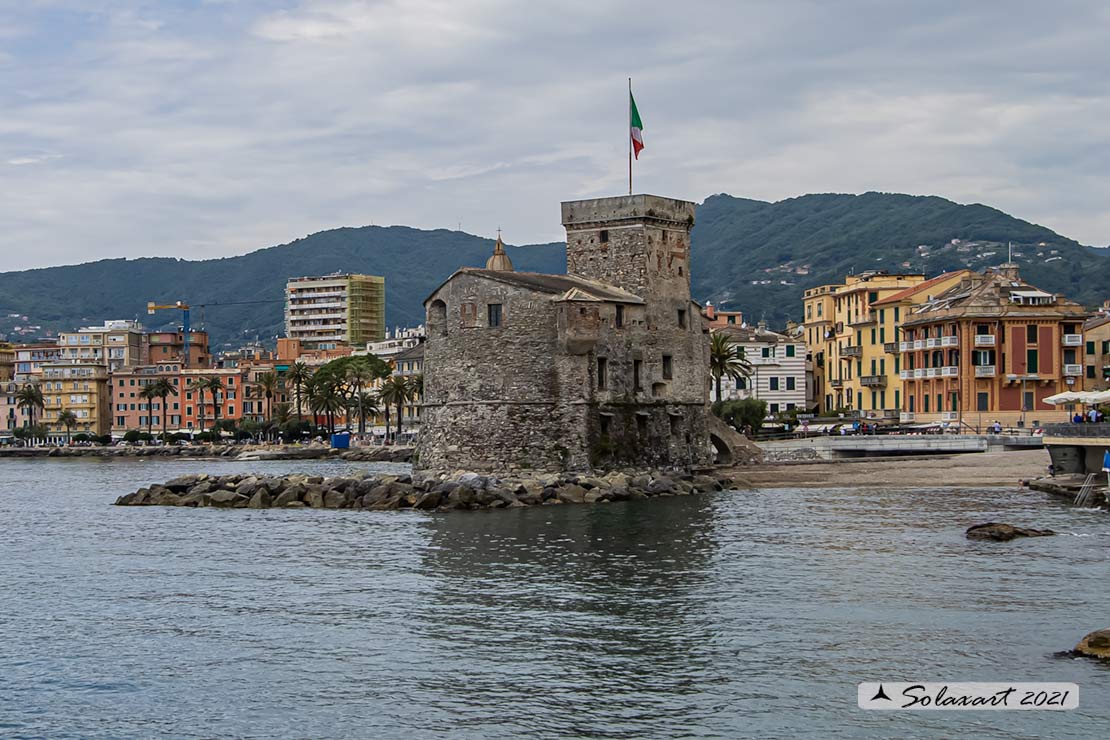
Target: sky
{"type": "Point", "coordinates": [208, 128]}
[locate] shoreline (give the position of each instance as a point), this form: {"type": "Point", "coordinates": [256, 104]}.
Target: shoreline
{"type": "Point", "coordinates": [245, 453]}
{"type": "Point", "coordinates": [992, 469]}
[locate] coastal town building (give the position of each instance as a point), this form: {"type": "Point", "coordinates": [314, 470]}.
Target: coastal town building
{"type": "Point", "coordinates": [397, 342]}
{"type": "Point", "coordinates": [130, 411]}
{"type": "Point", "coordinates": [605, 365]}
{"type": "Point", "coordinates": [1096, 341]}
{"type": "Point", "coordinates": [778, 369]}
{"type": "Point", "coordinates": [847, 341]}
{"type": "Point", "coordinates": [719, 319]}
{"type": "Point", "coordinates": [7, 361]}
{"type": "Point", "coordinates": [160, 347]}
{"type": "Point", "coordinates": [200, 410]}
{"type": "Point", "coordinates": [410, 364]}
{"type": "Point", "coordinates": [991, 348]}
{"type": "Point", "coordinates": [80, 386]}
{"type": "Point", "coordinates": [114, 344]}
{"type": "Point", "coordinates": [29, 359]}
{"type": "Point", "coordinates": [340, 310]}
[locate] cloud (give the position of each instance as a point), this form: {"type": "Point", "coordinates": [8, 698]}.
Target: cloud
{"type": "Point", "coordinates": [201, 130]}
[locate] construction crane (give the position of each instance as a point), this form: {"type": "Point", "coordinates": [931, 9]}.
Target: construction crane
{"type": "Point", "coordinates": [184, 308]}
{"type": "Point", "coordinates": [151, 307]}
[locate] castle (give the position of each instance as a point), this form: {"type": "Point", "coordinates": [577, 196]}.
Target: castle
{"type": "Point", "coordinates": [605, 366]}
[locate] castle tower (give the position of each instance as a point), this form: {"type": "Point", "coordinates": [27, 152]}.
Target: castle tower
{"type": "Point", "coordinates": [640, 243]}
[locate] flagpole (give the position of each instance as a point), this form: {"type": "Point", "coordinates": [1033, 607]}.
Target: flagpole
{"type": "Point", "coordinates": [630, 136]}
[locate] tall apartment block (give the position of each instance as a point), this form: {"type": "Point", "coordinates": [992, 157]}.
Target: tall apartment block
{"type": "Point", "coordinates": [331, 311]}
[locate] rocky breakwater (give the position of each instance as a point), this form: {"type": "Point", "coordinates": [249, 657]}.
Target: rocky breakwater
{"type": "Point", "coordinates": [377, 492]}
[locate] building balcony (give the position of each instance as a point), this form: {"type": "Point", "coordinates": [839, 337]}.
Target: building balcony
{"type": "Point", "coordinates": [949, 415]}
{"type": "Point", "coordinates": [951, 341]}
{"type": "Point", "coordinates": [985, 340]}
{"type": "Point", "coordinates": [985, 371]}
{"type": "Point", "coordinates": [851, 351]}
{"type": "Point", "coordinates": [892, 347]}
{"type": "Point", "coordinates": [1072, 340]}
{"type": "Point", "coordinates": [919, 344]}
{"type": "Point", "coordinates": [905, 374]}
{"type": "Point", "coordinates": [932, 372]}
{"type": "Point", "coordinates": [867, 317]}
{"type": "Point", "coordinates": [1075, 370]}
{"type": "Point", "coordinates": [907, 416]}
{"type": "Point", "coordinates": [836, 383]}
{"type": "Point", "coordinates": [949, 371]}
{"type": "Point", "coordinates": [918, 373]}
{"type": "Point", "coordinates": [873, 381]}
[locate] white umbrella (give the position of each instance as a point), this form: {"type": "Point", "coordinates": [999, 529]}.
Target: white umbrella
{"type": "Point", "coordinates": [1065, 397]}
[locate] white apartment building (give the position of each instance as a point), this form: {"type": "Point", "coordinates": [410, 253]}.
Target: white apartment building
{"type": "Point", "coordinates": [778, 374]}
{"type": "Point", "coordinates": [116, 344]}
{"type": "Point", "coordinates": [331, 311]}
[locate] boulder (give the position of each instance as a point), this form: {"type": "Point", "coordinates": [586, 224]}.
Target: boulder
{"type": "Point", "coordinates": [222, 499]}
{"type": "Point", "coordinates": [1095, 645]}
{"type": "Point", "coordinates": [335, 499]}
{"type": "Point", "coordinates": [572, 494]}
{"type": "Point", "coordinates": [260, 500]}
{"type": "Point", "coordinates": [1003, 532]}
{"type": "Point", "coordinates": [314, 497]}
{"type": "Point", "coordinates": [166, 498]}
{"type": "Point", "coordinates": [427, 501]}
{"type": "Point", "coordinates": [288, 496]}
{"type": "Point", "coordinates": [295, 505]}
{"type": "Point", "coordinates": [182, 483]}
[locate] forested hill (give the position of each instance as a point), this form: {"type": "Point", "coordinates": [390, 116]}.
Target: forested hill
{"type": "Point", "coordinates": [749, 255]}
{"type": "Point", "coordinates": [760, 257]}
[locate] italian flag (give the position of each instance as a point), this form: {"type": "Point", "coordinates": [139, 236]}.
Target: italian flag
{"type": "Point", "coordinates": [636, 125]}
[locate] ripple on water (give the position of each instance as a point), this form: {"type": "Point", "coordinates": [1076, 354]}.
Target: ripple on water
{"type": "Point", "coordinates": [738, 614]}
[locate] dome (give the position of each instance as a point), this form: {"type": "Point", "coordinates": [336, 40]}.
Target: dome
{"type": "Point", "coordinates": [499, 261]}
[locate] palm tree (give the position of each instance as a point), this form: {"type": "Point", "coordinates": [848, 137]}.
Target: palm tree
{"type": "Point", "coordinates": [726, 359]}
{"type": "Point", "coordinates": [327, 398]}
{"type": "Point", "coordinates": [200, 385]}
{"type": "Point", "coordinates": [148, 394]}
{"type": "Point", "coordinates": [298, 376]}
{"type": "Point", "coordinates": [358, 375]}
{"type": "Point", "coordinates": [395, 391]}
{"type": "Point", "coordinates": [29, 397]}
{"type": "Point", "coordinates": [67, 419]}
{"type": "Point", "coordinates": [268, 384]}
{"type": "Point", "coordinates": [216, 387]}
{"type": "Point", "coordinates": [163, 388]}
{"type": "Point", "coordinates": [282, 414]}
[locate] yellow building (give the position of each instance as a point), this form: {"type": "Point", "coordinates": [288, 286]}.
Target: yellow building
{"type": "Point", "coordinates": [7, 362]}
{"type": "Point", "coordinates": [852, 368]}
{"type": "Point", "coordinates": [81, 387]}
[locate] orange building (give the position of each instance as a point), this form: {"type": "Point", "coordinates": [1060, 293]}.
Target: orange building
{"type": "Point", "coordinates": [131, 411]}
{"type": "Point", "coordinates": [160, 347]}
{"type": "Point", "coordinates": [721, 319]}
{"type": "Point", "coordinates": [991, 348]}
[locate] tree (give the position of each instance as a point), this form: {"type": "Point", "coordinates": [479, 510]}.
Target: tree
{"type": "Point", "coordinates": [215, 386]}
{"type": "Point", "coordinates": [298, 376]}
{"type": "Point", "coordinates": [163, 388]}
{"type": "Point", "coordinates": [200, 386]}
{"type": "Point", "coordinates": [282, 414]}
{"type": "Point", "coordinates": [67, 419]}
{"type": "Point", "coordinates": [268, 384]}
{"type": "Point", "coordinates": [726, 359]}
{"type": "Point", "coordinates": [29, 397]}
{"type": "Point", "coordinates": [746, 412]}
{"type": "Point", "coordinates": [327, 398]}
{"type": "Point", "coordinates": [397, 392]}
{"type": "Point", "coordinates": [148, 394]}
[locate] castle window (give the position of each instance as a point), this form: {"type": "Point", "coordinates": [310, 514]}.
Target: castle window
{"type": "Point", "coordinates": [668, 367]}
{"type": "Point", "coordinates": [620, 316]}
{"type": "Point", "coordinates": [603, 236]}
{"type": "Point", "coordinates": [682, 317]}
{"type": "Point", "coordinates": [641, 425]}
{"type": "Point", "coordinates": [604, 424]}
{"type": "Point", "coordinates": [494, 312]}
{"type": "Point", "coordinates": [637, 368]}
{"type": "Point", "coordinates": [602, 373]}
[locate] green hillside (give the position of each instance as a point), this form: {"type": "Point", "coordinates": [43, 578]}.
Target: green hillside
{"type": "Point", "coordinates": [749, 255]}
{"type": "Point", "coordinates": [759, 257]}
